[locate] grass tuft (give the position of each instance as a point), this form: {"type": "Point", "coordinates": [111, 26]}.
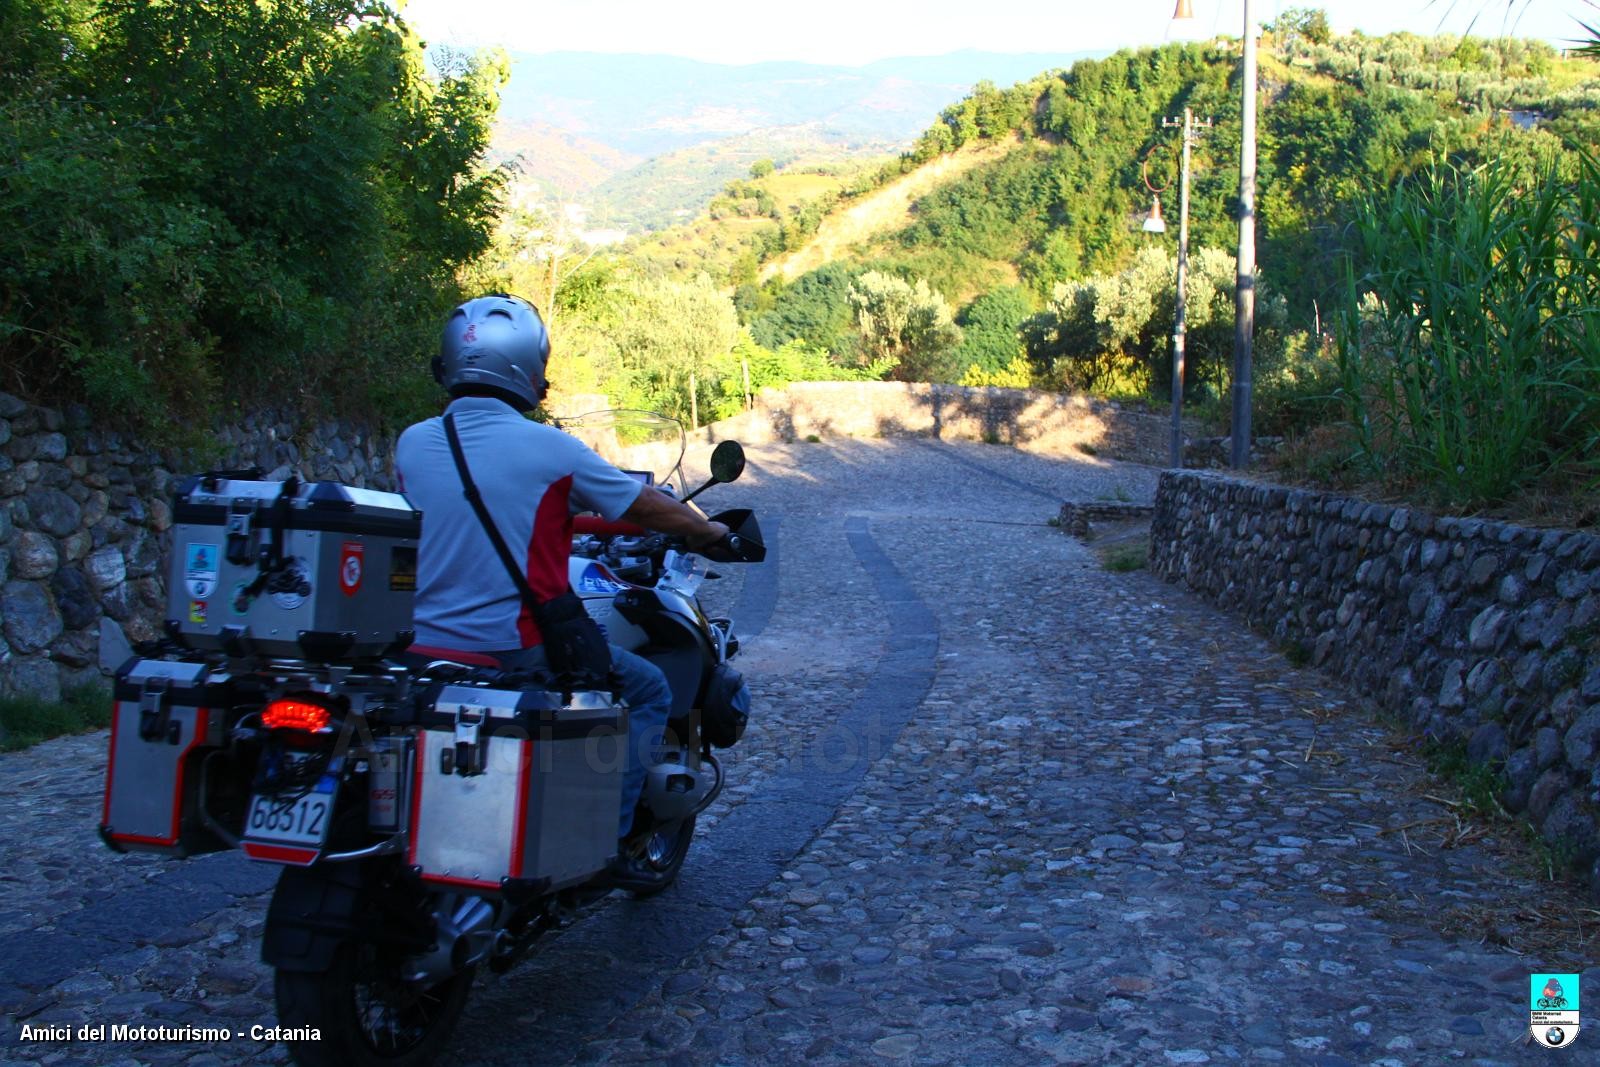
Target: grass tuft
{"type": "Point", "coordinates": [1128, 556]}
{"type": "Point", "coordinates": [1297, 652]}
{"type": "Point", "coordinates": [26, 721]}
{"type": "Point", "coordinates": [1477, 783]}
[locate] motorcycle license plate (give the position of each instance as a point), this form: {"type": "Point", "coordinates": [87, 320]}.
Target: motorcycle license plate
{"type": "Point", "coordinates": [301, 821]}
{"type": "Point", "coordinates": [277, 821]}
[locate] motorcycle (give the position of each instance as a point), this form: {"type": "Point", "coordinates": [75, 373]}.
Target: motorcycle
{"type": "Point", "coordinates": [433, 814]}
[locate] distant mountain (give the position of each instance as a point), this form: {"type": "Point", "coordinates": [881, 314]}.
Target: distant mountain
{"type": "Point", "coordinates": [557, 163]}
{"type": "Point", "coordinates": [645, 105]}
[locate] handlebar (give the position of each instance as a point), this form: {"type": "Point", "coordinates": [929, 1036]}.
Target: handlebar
{"type": "Point", "coordinates": [742, 543]}
{"type": "Point", "coordinates": [594, 524]}
{"type": "Point", "coordinates": [734, 549]}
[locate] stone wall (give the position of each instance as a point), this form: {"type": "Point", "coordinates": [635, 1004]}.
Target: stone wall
{"type": "Point", "coordinates": [1051, 423]}
{"type": "Point", "coordinates": [84, 516]}
{"type": "Point", "coordinates": [1078, 518]}
{"type": "Point", "coordinates": [1478, 632]}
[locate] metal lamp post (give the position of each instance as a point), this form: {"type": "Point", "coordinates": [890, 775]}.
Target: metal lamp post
{"type": "Point", "coordinates": [1245, 283]}
{"type": "Point", "coordinates": [1179, 320]}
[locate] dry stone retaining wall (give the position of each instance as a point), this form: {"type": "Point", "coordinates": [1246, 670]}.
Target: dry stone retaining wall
{"type": "Point", "coordinates": [1077, 518]}
{"type": "Point", "coordinates": [1479, 632]}
{"type": "Point", "coordinates": [84, 516]}
{"type": "Point", "coordinates": [1052, 423]}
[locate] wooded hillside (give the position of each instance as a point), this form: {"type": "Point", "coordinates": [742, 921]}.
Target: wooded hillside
{"type": "Point", "coordinates": [1337, 116]}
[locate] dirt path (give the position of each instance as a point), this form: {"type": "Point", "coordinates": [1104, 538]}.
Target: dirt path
{"type": "Point", "coordinates": [883, 211]}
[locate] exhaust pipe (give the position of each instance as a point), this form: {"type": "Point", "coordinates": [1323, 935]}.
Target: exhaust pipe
{"type": "Point", "coordinates": [673, 790]}
{"type": "Point", "coordinates": [464, 936]}
{"type": "Point", "coordinates": [474, 936]}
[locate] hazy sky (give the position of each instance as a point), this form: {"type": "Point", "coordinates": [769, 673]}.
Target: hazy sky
{"type": "Point", "coordinates": [859, 31]}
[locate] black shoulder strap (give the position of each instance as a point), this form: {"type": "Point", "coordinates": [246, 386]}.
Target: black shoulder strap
{"type": "Point", "coordinates": [475, 498]}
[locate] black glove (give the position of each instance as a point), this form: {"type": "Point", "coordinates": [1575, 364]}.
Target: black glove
{"type": "Point", "coordinates": [573, 642]}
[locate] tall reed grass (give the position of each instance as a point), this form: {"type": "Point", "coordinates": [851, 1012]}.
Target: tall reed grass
{"type": "Point", "coordinates": [1469, 338]}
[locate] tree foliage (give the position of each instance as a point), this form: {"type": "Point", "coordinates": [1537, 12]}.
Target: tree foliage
{"type": "Point", "coordinates": [985, 113]}
{"type": "Point", "coordinates": [217, 203]}
{"type": "Point", "coordinates": [906, 327]}
{"type": "Point", "coordinates": [1054, 221]}
{"type": "Point", "coordinates": [1339, 115]}
{"type": "Point", "coordinates": [990, 325]}
{"type": "Point", "coordinates": [540, 256]}
{"type": "Point", "coordinates": [814, 308]}
{"type": "Point", "coordinates": [794, 361]}
{"type": "Point", "coordinates": [1307, 24]}
{"type": "Point", "coordinates": [665, 334]}
{"type": "Point", "coordinates": [1122, 323]}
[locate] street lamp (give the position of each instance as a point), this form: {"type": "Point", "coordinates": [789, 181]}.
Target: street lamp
{"type": "Point", "coordinates": [1245, 284]}
{"type": "Point", "coordinates": [1189, 127]}
{"type": "Point", "coordinates": [1153, 222]}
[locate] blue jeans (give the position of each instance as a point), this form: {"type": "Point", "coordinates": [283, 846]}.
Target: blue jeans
{"type": "Point", "coordinates": [649, 700]}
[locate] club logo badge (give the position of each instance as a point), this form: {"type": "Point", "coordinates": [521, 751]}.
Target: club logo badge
{"type": "Point", "coordinates": [352, 557]}
{"type": "Point", "coordinates": [1553, 1009]}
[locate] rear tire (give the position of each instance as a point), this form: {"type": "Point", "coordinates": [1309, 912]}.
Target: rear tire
{"type": "Point", "coordinates": [365, 1015]}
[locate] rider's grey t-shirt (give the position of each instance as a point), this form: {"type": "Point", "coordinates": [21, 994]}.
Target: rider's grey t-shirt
{"type": "Point", "coordinates": [533, 478]}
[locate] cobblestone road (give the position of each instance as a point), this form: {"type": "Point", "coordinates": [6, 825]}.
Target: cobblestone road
{"type": "Point", "coordinates": [999, 806]}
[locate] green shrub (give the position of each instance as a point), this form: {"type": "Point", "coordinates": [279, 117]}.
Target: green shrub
{"type": "Point", "coordinates": [1296, 385]}
{"type": "Point", "coordinates": [814, 308]}
{"type": "Point", "coordinates": [1469, 338]}
{"type": "Point", "coordinates": [1018, 374]}
{"type": "Point", "coordinates": [905, 327]}
{"type": "Point", "coordinates": [990, 341]}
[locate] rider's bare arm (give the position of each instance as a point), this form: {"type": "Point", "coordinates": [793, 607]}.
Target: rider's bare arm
{"type": "Point", "coordinates": [657, 511]}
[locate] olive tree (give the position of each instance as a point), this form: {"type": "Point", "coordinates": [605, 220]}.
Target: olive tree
{"type": "Point", "coordinates": [908, 328]}
{"type": "Point", "coordinates": [669, 334]}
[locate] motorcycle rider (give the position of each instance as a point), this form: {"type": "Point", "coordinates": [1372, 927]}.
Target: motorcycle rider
{"type": "Point", "coordinates": [532, 478]}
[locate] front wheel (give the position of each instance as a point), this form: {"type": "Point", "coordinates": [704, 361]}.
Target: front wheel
{"type": "Point", "coordinates": [364, 1014]}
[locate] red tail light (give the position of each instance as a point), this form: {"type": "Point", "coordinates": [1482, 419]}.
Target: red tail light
{"type": "Point", "coordinates": [295, 715]}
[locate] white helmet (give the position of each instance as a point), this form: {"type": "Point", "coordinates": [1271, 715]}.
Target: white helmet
{"type": "Point", "coordinates": [495, 344]}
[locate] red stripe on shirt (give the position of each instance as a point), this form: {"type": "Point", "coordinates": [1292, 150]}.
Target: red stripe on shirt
{"type": "Point", "coordinates": [548, 549]}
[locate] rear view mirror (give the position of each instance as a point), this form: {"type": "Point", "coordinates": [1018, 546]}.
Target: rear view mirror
{"type": "Point", "coordinates": [727, 462]}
